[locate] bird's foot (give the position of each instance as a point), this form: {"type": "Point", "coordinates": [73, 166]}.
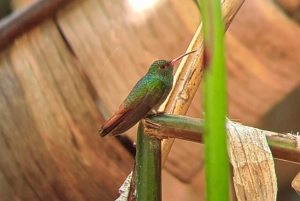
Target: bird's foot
{"type": "Point", "coordinates": [154, 113]}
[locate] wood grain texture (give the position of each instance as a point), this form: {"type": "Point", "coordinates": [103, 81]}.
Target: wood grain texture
{"type": "Point", "coordinates": [49, 125]}
{"type": "Point", "coordinates": [111, 47]}
{"type": "Point", "coordinates": [268, 66]}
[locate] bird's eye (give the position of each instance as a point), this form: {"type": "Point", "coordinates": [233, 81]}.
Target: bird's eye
{"type": "Point", "coordinates": [162, 67]}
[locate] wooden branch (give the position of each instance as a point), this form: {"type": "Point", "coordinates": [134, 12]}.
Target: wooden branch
{"type": "Point", "coordinates": [253, 165]}
{"type": "Point", "coordinates": [283, 146]}
{"type": "Point", "coordinates": [189, 74]}
{"type": "Point", "coordinates": [26, 18]}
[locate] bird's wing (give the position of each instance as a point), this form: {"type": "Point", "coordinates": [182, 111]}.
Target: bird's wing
{"type": "Point", "coordinates": [113, 121]}
{"type": "Point", "coordinates": [138, 112]}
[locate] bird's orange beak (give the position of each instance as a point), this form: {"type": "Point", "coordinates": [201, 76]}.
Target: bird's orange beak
{"type": "Point", "coordinates": [180, 57]}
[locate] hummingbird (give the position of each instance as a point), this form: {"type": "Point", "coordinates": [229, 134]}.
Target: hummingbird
{"type": "Point", "coordinates": [145, 97]}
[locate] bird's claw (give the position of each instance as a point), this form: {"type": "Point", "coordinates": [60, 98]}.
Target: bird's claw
{"type": "Point", "coordinates": [154, 113]}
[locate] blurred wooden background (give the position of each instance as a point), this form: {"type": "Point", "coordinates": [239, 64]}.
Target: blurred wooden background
{"type": "Point", "coordinates": [60, 80]}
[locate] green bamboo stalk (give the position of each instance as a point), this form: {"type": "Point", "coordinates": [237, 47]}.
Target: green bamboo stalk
{"type": "Point", "coordinates": [148, 167]}
{"type": "Point", "coordinates": [216, 159]}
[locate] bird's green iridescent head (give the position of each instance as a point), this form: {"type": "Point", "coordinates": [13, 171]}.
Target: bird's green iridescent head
{"type": "Point", "coordinates": [165, 67]}
{"type": "Point", "coordinates": [161, 67]}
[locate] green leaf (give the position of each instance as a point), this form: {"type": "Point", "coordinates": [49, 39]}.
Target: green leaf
{"type": "Point", "coordinates": [216, 159]}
